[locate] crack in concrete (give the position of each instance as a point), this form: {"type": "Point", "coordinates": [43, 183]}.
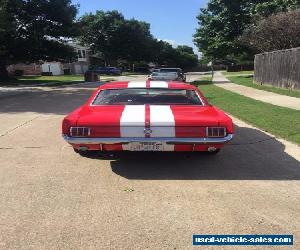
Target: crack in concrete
{"type": "Point", "coordinates": [19, 126]}
{"type": "Point", "coordinates": [8, 148]}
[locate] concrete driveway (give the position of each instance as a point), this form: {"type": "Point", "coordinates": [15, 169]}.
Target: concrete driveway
{"type": "Point", "coordinates": [51, 198]}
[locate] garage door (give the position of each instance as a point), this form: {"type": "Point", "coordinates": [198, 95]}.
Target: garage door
{"type": "Point", "coordinates": [55, 68]}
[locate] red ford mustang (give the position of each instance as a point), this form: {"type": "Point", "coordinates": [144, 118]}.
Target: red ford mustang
{"type": "Point", "coordinates": [147, 116]}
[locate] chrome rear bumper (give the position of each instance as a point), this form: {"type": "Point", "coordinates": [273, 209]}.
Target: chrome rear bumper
{"type": "Point", "coordinates": [167, 140]}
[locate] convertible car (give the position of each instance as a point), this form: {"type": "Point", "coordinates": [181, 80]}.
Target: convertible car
{"type": "Point", "coordinates": [147, 116]}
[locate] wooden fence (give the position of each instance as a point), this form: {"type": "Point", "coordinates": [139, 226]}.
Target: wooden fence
{"type": "Point", "coordinates": [279, 68]}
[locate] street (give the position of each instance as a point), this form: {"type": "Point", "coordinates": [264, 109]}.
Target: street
{"type": "Point", "coordinates": [52, 198]}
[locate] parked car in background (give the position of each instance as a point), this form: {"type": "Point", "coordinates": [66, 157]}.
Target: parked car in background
{"type": "Point", "coordinates": [154, 70]}
{"type": "Point", "coordinates": [178, 70]}
{"type": "Point", "coordinates": [166, 76]}
{"type": "Point", "coordinates": [147, 116]}
{"type": "Point", "coordinates": [142, 70]}
{"type": "Point", "coordinates": [108, 71]}
{"type": "Point", "coordinates": [171, 70]}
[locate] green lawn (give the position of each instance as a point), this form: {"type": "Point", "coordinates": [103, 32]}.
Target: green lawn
{"type": "Point", "coordinates": [51, 80]}
{"type": "Point", "coordinates": [132, 73]}
{"type": "Point", "coordinates": [249, 72]}
{"type": "Point", "coordinates": [207, 80]}
{"type": "Point", "coordinates": [248, 81]}
{"type": "Point", "coordinates": [282, 122]}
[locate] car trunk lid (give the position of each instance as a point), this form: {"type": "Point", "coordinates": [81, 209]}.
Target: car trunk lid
{"type": "Point", "coordinates": [148, 120]}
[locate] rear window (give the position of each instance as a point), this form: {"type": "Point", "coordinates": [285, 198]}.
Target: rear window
{"type": "Point", "coordinates": [169, 70]}
{"type": "Point", "coordinates": [141, 96]}
{"type": "Point", "coordinates": [164, 74]}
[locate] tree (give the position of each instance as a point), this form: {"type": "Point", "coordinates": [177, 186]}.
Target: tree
{"type": "Point", "coordinates": [163, 53]}
{"type": "Point", "coordinates": [267, 8]}
{"type": "Point", "coordinates": [115, 37]}
{"type": "Point", "coordinates": [122, 40]}
{"type": "Point", "coordinates": [185, 49]}
{"type": "Point", "coordinates": [186, 58]}
{"type": "Point", "coordinates": [220, 24]}
{"type": "Point", "coordinates": [99, 30]}
{"type": "Point", "coordinates": [32, 30]}
{"type": "Point", "coordinates": [276, 32]}
{"type": "Point", "coordinates": [133, 41]}
{"type": "Point", "coordinates": [223, 22]}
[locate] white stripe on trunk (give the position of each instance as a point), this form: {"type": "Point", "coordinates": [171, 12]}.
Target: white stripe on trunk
{"type": "Point", "coordinates": [137, 84]}
{"type": "Point", "coordinates": [132, 121]}
{"type": "Point", "coordinates": [159, 84]}
{"type": "Point", "coordinates": [162, 123]}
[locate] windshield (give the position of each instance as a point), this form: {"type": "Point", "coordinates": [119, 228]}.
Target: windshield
{"type": "Point", "coordinates": [141, 96]}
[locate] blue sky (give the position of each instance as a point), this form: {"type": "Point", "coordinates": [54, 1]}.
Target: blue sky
{"type": "Point", "coordinates": [171, 20]}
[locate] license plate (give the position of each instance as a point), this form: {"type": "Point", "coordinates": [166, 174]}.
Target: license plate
{"type": "Point", "coordinates": [146, 146]}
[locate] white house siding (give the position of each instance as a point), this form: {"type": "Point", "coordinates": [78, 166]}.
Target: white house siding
{"type": "Point", "coordinates": [54, 67]}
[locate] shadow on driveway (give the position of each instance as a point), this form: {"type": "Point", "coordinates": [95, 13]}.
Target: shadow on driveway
{"type": "Point", "coordinates": [51, 101]}
{"type": "Point", "coordinates": [252, 155]}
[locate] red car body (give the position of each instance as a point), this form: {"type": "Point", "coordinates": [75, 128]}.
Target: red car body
{"type": "Point", "coordinates": [147, 127]}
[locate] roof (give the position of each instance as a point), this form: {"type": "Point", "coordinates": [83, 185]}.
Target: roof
{"type": "Point", "coordinates": [147, 84]}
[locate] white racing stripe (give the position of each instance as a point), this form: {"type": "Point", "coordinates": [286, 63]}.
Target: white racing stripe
{"type": "Point", "coordinates": [137, 84]}
{"type": "Point", "coordinates": [162, 123]}
{"type": "Point", "coordinates": [159, 84]}
{"type": "Point", "coordinates": [132, 122]}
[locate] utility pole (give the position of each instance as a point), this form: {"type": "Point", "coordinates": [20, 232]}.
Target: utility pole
{"type": "Point", "coordinates": [210, 64]}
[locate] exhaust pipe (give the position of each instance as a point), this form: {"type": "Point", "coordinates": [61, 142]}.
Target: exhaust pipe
{"type": "Point", "coordinates": [84, 149]}
{"type": "Point", "coordinates": [211, 149]}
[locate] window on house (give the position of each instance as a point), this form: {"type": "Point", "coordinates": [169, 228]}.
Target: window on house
{"type": "Point", "coordinates": [79, 53]}
{"type": "Point", "coordinates": [83, 54]}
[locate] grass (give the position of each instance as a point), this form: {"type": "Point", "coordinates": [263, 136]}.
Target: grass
{"type": "Point", "coordinates": [248, 81]}
{"type": "Point", "coordinates": [248, 72]}
{"type": "Point", "coordinates": [204, 81]}
{"type": "Point", "coordinates": [48, 80]}
{"type": "Point", "coordinates": [51, 80]}
{"type": "Point", "coordinates": [132, 73]}
{"type": "Point", "coordinates": [279, 121]}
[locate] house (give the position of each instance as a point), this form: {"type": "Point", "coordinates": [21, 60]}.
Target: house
{"type": "Point", "coordinates": [26, 69]}
{"type": "Point", "coordinates": [79, 66]}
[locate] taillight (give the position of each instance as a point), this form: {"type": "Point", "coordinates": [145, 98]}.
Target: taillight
{"type": "Point", "coordinates": [80, 131]}
{"type": "Point", "coordinates": [215, 132]}
{"type": "Point", "coordinates": [66, 126]}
